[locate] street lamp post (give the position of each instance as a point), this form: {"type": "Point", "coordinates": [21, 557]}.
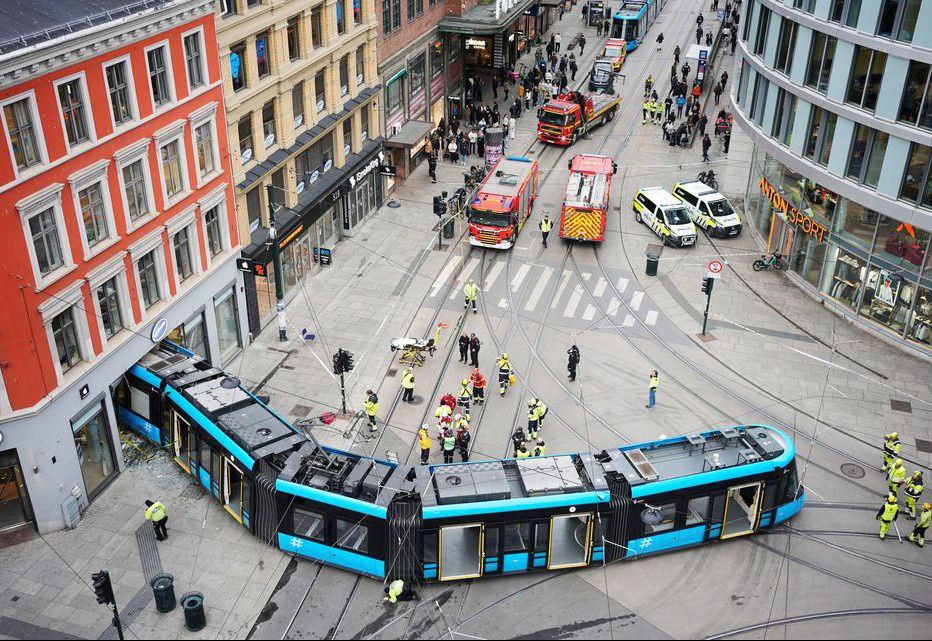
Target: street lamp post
{"type": "Point", "coordinates": [277, 263]}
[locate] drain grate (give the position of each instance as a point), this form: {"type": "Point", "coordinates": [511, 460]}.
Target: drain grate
{"type": "Point", "coordinates": [901, 406]}
{"type": "Point", "coordinates": [392, 372]}
{"type": "Point", "coordinates": [301, 410]}
{"type": "Point", "coordinates": [923, 445]}
{"type": "Point", "coordinates": [852, 470]}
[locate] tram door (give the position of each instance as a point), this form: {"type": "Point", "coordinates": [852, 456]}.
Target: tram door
{"type": "Point", "coordinates": [570, 536]}
{"type": "Point", "coordinates": [742, 509]}
{"type": "Point", "coordinates": [461, 552]}
{"type": "Point", "coordinates": [182, 441]}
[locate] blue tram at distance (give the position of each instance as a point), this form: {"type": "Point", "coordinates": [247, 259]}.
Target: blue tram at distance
{"type": "Point", "coordinates": [455, 521]}
{"type": "Point", "coordinates": [633, 19]}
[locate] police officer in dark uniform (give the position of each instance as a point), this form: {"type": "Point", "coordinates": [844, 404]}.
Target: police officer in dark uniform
{"type": "Point", "coordinates": [573, 361]}
{"type": "Point", "coordinates": [464, 348]}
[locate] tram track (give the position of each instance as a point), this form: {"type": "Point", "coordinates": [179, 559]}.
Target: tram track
{"type": "Point", "coordinates": [808, 618]}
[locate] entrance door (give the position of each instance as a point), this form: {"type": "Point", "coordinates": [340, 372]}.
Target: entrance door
{"type": "Point", "coordinates": [742, 510]}
{"type": "Point", "coordinates": [569, 541]}
{"type": "Point", "coordinates": [182, 441]}
{"type": "Point", "coordinates": [14, 499]}
{"type": "Point", "coordinates": [461, 552]}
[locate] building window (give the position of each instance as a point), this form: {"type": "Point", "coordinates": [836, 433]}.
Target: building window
{"type": "Point", "coordinates": [357, 12]}
{"type": "Point", "coordinates": [395, 97]}
{"type": "Point", "coordinates": [229, 7]}
{"type": "Point", "coordinates": [804, 5]}
{"type": "Point", "coordinates": [268, 123]}
{"type": "Point", "coordinates": [364, 123]}
{"type": "Point", "coordinates": [758, 99]}
{"type": "Point", "coordinates": [867, 152]}
{"type": "Point", "coordinates": [317, 38]}
{"type": "Point", "coordinates": [360, 65]}
{"type": "Point", "coordinates": [344, 75]}
{"type": "Point", "coordinates": [118, 84]}
{"type": "Point", "coordinates": [213, 225]}
{"type": "Point", "coordinates": [786, 43]}
{"type": "Point", "coordinates": [341, 18]}
{"type": "Point", "coordinates": [821, 55]}
{"type": "Point", "coordinates": [348, 136]}
{"type": "Point", "coordinates": [22, 133]}
{"type": "Point", "coordinates": [134, 187]}
{"type": "Point", "coordinates": [821, 134]}
{"type": "Point", "coordinates": [43, 228]}
{"type": "Point", "coordinates": [410, 10]}
{"type": "Point", "coordinates": [763, 24]}
{"type": "Point", "coordinates": [238, 65]}
{"type": "Point", "coordinates": [396, 15]}
{"type": "Point", "coordinates": [194, 59]}
{"type": "Point", "coordinates": [204, 143]}
{"type": "Point", "coordinates": [227, 323]}
{"type": "Point", "coordinates": [845, 12]}
{"type": "Point", "coordinates": [111, 316]}
{"type": "Point", "coordinates": [148, 271]}
{"type": "Point", "coordinates": [65, 335]}
{"type": "Point", "coordinates": [319, 94]}
{"type": "Point", "coordinates": [783, 117]}
{"type": "Point", "coordinates": [294, 38]}
{"type": "Point", "coordinates": [244, 130]}
{"type": "Point", "coordinates": [387, 17]}
{"type": "Point", "coordinates": [297, 104]}
{"type": "Point", "coordinates": [159, 80]}
{"type": "Point", "coordinates": [416, 73]}
{"type": "Point", "coordinates": [436, 59]}
{"type": "Point", "coordinates": [866, 73]}
{"type": "Point", "coordinates": [916, 187]}
{"type": "Point", "coordinates": [898, 19]}
{"type": "Point", "coordinates": [172, 169]}
{"type": "Point", "coordinates": [916, 108]}
{"type": "Point", "coordinates": [254, 207]}
{"type": "Point", "coordinates": [316, 160]}
{"type": "Point", "coordinates": [184, 267]}
{"type": "Point", "coordinates": [71, 99]}
{"type": "Point", "coordinates": [94, 214]}
{"type": "Point", "coordinates": [263, 64]}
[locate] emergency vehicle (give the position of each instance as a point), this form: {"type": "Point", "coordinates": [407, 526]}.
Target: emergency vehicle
{"type": "Point", "coordinates": [562, 120]}
{"type": "Point", "coordinates": [588, 192]}
{"type": "Point", "coordinates": [503, 202]}
{"type": "Point", "coordinates": [615, 49]}
{"type": "Point", "coordinates": [710, 210]}
{"type": "Point", "coordinates": [666, 214]}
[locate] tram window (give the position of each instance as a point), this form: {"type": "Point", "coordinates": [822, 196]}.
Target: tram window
{"type": "Point", "coordinates": [491, 541]}
{"type": "Point", "coordinates": [770, 495]}
{"type": "Point", "coordinates": [542, 536]}
{"type": "Point", "coordinates": [430, 547]}
{"type": "Point", "coordinates": [669, 519]}
{"type": "Point", "coordinates": [517, 537]}
{"type": "Point", "coordinates": [139, 402]}
{"type": "Point", "coordinates": [696, 510]}
{"type": "Point", "coordinates": [597, 529]}
{"type": "Point", "coordinates": [206, 460]}
{"type": "Point", "coordinates": [718, 508]}
{"type": "Point", "coordinates": [352, 535]}
{"type": "Point", "coordinates": [790, 484]}
{"type": "Point", "coordinates": [309, 525]}
{"type": "Point", "coordinates": [183, 442]}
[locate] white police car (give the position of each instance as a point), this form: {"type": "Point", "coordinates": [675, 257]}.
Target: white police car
{"type": "Point", "coordinates": [709, 209]}
{"type": "Point", "coordinates": [666, 214]}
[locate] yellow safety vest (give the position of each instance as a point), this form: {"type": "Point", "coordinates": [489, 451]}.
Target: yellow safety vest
{"type": "Point", "coordinates": [913, 489]}
{"type": "Point", "coordinates": [925, 517]}
{"type": "Point", "coordinates": [395, 588]}
{"type": "Point", "coordinates": [407, 380]}
{"type": "Point", "coordinates": [892, 447]}
{"type": "Point", "coordinates": [897, 474]}
{"type": "Point", "coordinates": [524, 454]}
{"type": "Point", "coordinates": [465, 392]}
{"type": "Point", "coordinates": [540, 450]}
{"type": "Point", "coordinates": [423, 439]}
{"type": "Point", "coordinates": [371, 408]}
{"type": "Point", "coordinates": [155, 512]}
{"type": "Point", "coordinates": [546, 224]}
{"type": "Point", "coordinates": [654, 382]}
{"type": "Point", "coordinates": [471, 291]}
{"type": "Point", "coordinates": [890, 510]}
{"type": "Point", "coordinates": [504, 366]}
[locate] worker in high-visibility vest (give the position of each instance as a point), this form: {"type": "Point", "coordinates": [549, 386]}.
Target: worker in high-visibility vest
{"type": "Point", "coordinates": [464, 396]}
{"type": "Point", "coordinates": [653, 385]}
{"type": "Point", "coordinates": [371, 407]}
{"type": "Point", "coordinates": [540, 448]}
{"type": "Point", "coordinates": [891, 448]}
{"type": "Point", "coordinates": [504, 374]}
{"type": "Point", "coordinates": [918, 535]}
{"type": "Point", "coordinates": [471, 291]}
{"type": "Point", "coordinates": [896, 476]}
{"type": "Point", "coordinates": [523, 452]}
{"type": "Point", "coordinates": [155, 512]}
{"type": "Point", "coordinates": [398, 590]}
{"type": "Point", "coordinates": [887, 515]}
{"type": "Point", "coordinates": [407, 384]}
{"type": "Point", "coordinates": [478, 386]}
{"type": "Point", "coordinates": [423, 440]}
{"type": "Point", "coordinates": [913, 491]}
{"type": "Point", "coordinates": [546, 224]}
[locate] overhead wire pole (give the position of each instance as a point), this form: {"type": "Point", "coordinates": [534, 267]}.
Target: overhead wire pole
{"type": "Point", "coordinates": [277, 263]}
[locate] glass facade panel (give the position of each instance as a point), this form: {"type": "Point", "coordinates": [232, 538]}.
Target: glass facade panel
{"type": "Point", "coordinates": [95, 453]}
{"type": "Point", "coordinates": [227, 323]}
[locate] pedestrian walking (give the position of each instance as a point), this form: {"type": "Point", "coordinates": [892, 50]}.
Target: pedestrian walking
{"type": "Point", "coordinates": [706, 144]}
{"type": "Point", "coordinates": [645, 110]}
{"type": "Point", "coordinates": [660, 41]}
{"type": "Point", "coordinates": [573, 68]}
{"type": "Point", "coordinates": [371, 407]}
{"type": "Point", "coordinates": [918, 535]}
{"type": "Point", "coordinates": [726, 141]}
{"type": "Point", "coordinates": [471, 291]}
{"type": "Point", "coordinates": [606, 27]}
{"type": "Point", "coordinates": [474, 347]}
{"type": "Point", "coordinates": [699, 20]}
{"type": "Point", "coordinates": [598, 28]}
{"type": "Point", "coordinates": [684, 70]}
{"type": "Point", "coordinates": [680, 103]}
{"type": "Point", "coordinates": [896, 477]}
{"type": "Point", "coordinates": [913, 491]}
{"type": "Point", "coordinates": [653, 384]}
{"type": "Point", "coordinates": [698, 34]}
{"type": "Point", "coordinates": [718, 92]}
{"type": "Point", "coordinates": [582, 44]}
{"type": "Point", "coordinates": [708, 38]}
{"type": "Point", "coordinates": [504, 374]}
{"type": "Point", "coordinates": [423, 441]}
{"type": "Point", "coordinates": [407, 385]}
{"type": "Point", "coordinates": [453, 151]}
{"type": "Point", "coordinates": [667, 106]}
{"type": "Point", "coordinates": [723, 79]}
{"type": "Point", "coordinates": [734, 44]}
{"type": "Point", "coordinates": [155, 512]}
{"type": "Point", "coordinates": [432, 167]}
{"type": "Point", "coordinates": [557, 42]}
{"type": "Point", "coordinates": [572, 362]}
{"type": "Point", "coordinates": [533, 424]}
{"type": "Point", "coordinates": [478, 386]}
{"type": "Point", "coordinates": [703, 121]}
{"type": "Point", "coordinates": [546, 224]}
{"type": "Point", "coordinates": [676, 56]}
{"type": "Point", "coordinates": [891, 448]}
{"type": "Point", "coordinates": [887, 514]}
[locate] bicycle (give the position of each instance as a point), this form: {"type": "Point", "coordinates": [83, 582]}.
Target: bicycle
{"type": "Point", "coordinates": [766, 262]}
{"type": "Point", "coordinates": [708, 178]}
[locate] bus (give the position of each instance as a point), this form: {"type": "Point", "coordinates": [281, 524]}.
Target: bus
{"type": "Point", "coordinates": [632, 20]}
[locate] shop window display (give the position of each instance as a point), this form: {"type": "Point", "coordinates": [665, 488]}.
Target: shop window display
{"type": "Point", "coordinates": [919, 327]}
{"type": "Point", "coordinates": [887, 297]}
{"type": "Point", "coordinates": [842, 277]}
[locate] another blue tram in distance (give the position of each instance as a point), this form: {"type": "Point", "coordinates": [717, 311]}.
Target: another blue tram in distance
{"type": "Point", "coordinates": [633, 19]}
{"type": "Point", "coordinates": [456, 521]}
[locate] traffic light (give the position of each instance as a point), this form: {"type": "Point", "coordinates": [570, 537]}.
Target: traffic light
{"type": "Point", "coordinates": [707, 284]}
{"type": "Point", "coordinates": [440, 207]}
{"type": "Point", "coordinates": [102, 587]}
{"type": "Point", "coordinates": [346, 360]}
{"type": "Point", "coordinates": [337, 367]}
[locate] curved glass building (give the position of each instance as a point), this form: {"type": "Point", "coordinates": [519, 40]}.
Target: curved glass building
{"type": "Point", "coordinates": [837, 97]}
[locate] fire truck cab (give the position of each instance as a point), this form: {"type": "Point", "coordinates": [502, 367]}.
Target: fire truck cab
{"type": "Point", "coordinates": [503, 202]}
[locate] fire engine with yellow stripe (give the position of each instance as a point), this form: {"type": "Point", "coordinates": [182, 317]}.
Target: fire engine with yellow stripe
{"type": "Point", "coordinates": [588, 193]}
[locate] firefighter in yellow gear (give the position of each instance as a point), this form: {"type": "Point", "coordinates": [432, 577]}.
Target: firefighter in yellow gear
{"type": "Point", "coordinates": [471, 291]}
{"type": "Point", "coordinates": [896, 476]}
{"type": "Point", "coordinates": [407, 384]}
{"type": "Point", "coordinates": [533, 422]}
{"type": "Point", "coordinates": [540, 448]}
{"type": "Point", "coordinates": [464, 396]}
{"type": "Point", "coordinates": [523, 452]}
{"type": "Point", "coordinates": [504, 374]}
{"type": "Point", "coordinates": [887, 515]}
{"type": "Point", "coordinates": [646, 110]}
{"type": "Point", "coordinates": [371, 408]}
{"type": "Point", "coordinates": [913, 491]}
{"type": "Point", "coordinates": [546, 224]}
{"type": "Point", "coordinates": [658, 111]}
{"type": "Point", "coordinates": [891, 448]}
{"type": "Point", "coordinates": [423, 440]}
{"type": "Point", "coordinates": [918, 535]}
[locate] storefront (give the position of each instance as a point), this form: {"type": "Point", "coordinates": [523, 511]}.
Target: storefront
{"type": "Point", "coordinates": [864, 264]}
{"type": "Point", "coordinates": [15, 507]}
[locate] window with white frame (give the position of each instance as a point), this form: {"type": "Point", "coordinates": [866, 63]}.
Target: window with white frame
{"type": "Point", "coordinates": [157, 60]}
{"type": "Point", "coordinates": [173, 179]}
{"type": "Point", "coordinates": [184, 260]}
{"type": "Point", "coordinates": [45, 234]}
{"type": "Point", "coordinates": [66, 340]}
{"type": "Point", "coordinates": [110, 291]}
{"type": "Point", "coordinates": [136, 191]}
{"type": "Point", "coordinates": [194, 59]}
{"type": "Point", "coordinates": [111, 312]}
{"type": "Point", "coordinates": [119, 83]}
{"type": "Point", "coordinates": [213, 225]}
{"type": "Point", "coordinates": [94, 214]}
{"type": "Point", "coordinates": [19, 118]}
{"type": "Point", "coordinates": [204, 147]}
{"type": "Point", "coordinates": [148, 271]}
{"type": "Point", "coordinates": [74, 111]}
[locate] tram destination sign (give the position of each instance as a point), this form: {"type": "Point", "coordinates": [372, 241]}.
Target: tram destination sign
{"type": "Point", "coordinates": [792, 214]}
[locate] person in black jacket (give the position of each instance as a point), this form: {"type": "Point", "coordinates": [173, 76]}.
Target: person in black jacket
{"type": "Point", "coordinates": [464, 347]}
{"type": "Point", "coordinates": [474, 346]}
{"type": "Point", "coordinates": [573, 362]}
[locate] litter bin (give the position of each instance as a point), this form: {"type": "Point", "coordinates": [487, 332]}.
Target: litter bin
{"type": "Point", "coordinates": [163, 587]}
{"type": "Point", "coordinates": [449, 228]}
{"type": "Point", "coordinates": [193, 605]}
{"type": "Point", "coordinates": [652, 261]}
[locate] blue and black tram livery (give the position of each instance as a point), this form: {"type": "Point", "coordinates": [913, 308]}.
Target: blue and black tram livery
{"type": "Point", "coordinates": [455, 521]}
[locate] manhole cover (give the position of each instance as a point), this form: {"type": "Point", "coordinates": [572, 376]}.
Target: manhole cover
{"type": "Point", "coordinates": [852, 471]}
{"type": "Point", "coordinates": [394, 204]}
{"type": "Point", "coordinates": [901, 406]}
{"type": "Point", "coordinates": [300, 410]}
{"type": "Point", "coordinates": [923, 445]}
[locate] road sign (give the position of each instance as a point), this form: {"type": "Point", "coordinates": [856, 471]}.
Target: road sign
{"type": "Point", "coordinates": [715, 268]}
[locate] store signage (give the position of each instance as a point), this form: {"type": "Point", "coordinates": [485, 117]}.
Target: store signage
{"type": "Point", "coordinates": [290, 237]}
{"type": "Point", "coordinates": [475, 43]}
{"type": "Point", "coordinates": [84, 392]}
{"type": "Point", "coordinates": [250, 266]}
{"type": "Point", "coordinates": [159, 330]}
{"type": "Point", "coordinates": [792, 214]}
{"type": "Point", "coordinates": [326, 258]}
{"type": "Point", "coordinates": [389, 170]}
{"type": "Point", "coordinates": [362, 173]}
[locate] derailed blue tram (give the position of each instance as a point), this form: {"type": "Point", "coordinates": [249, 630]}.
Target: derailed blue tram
{"type": "Point", "coordinates": [456, 521]}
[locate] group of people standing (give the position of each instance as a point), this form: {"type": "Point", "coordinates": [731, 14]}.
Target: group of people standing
{"type": "Point", "coordinates": [897, 478]}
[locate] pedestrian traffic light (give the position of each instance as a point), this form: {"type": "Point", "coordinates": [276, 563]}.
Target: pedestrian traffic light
{"type": "Point", "coordinates": [102, 587]}
{"type": "Point", "coordinates": [707, 284]}
{"type": "Point", "coordinates": [346, 360]}
{"type": "Point", "coordinates": [440, 207]}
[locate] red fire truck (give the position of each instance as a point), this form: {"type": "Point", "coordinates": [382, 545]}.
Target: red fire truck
{"type": "Point", "coordinates": [587, 195]}
{"type": "Point", "coordinates": [503, 202]}
{"type": "Point", "coordinates": [562, 120]}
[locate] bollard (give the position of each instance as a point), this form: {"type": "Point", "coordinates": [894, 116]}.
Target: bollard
{"type": "Point", "coordinates": [449, 228]}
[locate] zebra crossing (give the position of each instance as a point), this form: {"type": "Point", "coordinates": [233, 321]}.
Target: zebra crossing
{"type": "Point", "coordinates": [535, 287]}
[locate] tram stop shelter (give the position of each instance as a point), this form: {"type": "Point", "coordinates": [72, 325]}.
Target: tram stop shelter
{"type": "Point", "coordinates": [407, 145]}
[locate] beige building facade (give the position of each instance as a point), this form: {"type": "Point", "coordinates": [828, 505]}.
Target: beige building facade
{"type": "Point", "coordinates": [301, 88]}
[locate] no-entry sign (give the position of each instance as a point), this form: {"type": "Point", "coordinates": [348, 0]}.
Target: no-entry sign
{"type": "Point", "coordinates": [715, 268]}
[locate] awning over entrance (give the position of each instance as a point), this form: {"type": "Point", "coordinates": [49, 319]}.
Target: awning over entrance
{"type": "Point", "coordinates": [482, 21]}
{"type": "Point", "coordinates": [412, 133]}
